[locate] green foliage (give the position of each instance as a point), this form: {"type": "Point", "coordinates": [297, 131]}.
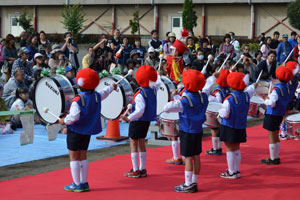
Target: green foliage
{"type": "Point", "coordinates": [134, 23]}
{"type": "Point", "coordinates": [293, 13]}
{"type": "Point", "coordinates": [73, 18]}
{"type": "Point", "coordinates": [25, 20]}
{"type": "Point", "coordinates": [189, 17]}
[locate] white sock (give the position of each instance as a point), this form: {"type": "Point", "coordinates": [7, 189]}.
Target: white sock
{"type": "Point", "coordinates": [194, 178]}
{"type": "Point", "coordinates": [175, 149]}
{"type": "Point", "coordinates": [135, 161]}
{"type": "Point", "coordinates": [75, 171]}
{"type": "Point", "coordinates": [215, 142]}
{"type": "Point", "coordinates": [238, 158]}
{"type": "Point", "coordinates": [230, 161]}
{"type": "Point", "coordinates": [84, 170]}
{"type": "Point", "coordinates": [188, 177]}
{"type": "Point", "coordinates": [143, 156]}
{"type": "Point", "coordinates": [277, 150]}
{"type": "Point", "coordinates": [272, 148]}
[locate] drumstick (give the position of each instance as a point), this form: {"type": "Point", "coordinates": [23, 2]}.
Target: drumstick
{"type": "Point", "coordinates": [203, 71]}
{"type": "Point", "coordinates": [130, 72]}
{"type": "Point", "coordinates": [224, 63]}
{"type": "Point", "coordinates": [270, 87]}
{"type": "Point", "coordinates": [46, 110]}
{"type": "Point", "coordinates": [237, 62]}
{"type": "Point", "coordinates": [259, 76]}
{"type": "Point", "coordinates": [129, 106]}
{"type": "Point", "coordinates": [289, 55]}
{"type": "Point", "coordinates": [161, 56]}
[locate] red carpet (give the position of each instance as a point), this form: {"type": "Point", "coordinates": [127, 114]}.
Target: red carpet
{"type": "Point", "coordinates": [107, 182]}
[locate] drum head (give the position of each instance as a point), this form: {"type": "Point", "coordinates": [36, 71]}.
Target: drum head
{"type": "Point", "coordinates": [214, 106]}
{"type": "Point", "coordinates": [112, 106]}
{"type": "Point", "coordinates": [256, 99]}
{"type": "Point", "coordinates": [263, 84]}
{"type": "Point", "coordinates": [171, 116]}
{"type": "Point", "coordinates": [47, 95]}
{"type": "Point", "coordinates": [262, 90]}
{"type": "Point", "coordinates": [294, 118]}
{"type": "Point", "coordinates": [163, 94]}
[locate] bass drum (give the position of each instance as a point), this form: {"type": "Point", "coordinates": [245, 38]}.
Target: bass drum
{"type": "Point", "coordinates": [164, 94]}
{"type": "Point", "coordinates": [55, 93]}
{"type": "Point", "coordinates": [113, 106]}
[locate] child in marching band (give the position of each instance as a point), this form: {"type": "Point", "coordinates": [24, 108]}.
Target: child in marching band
{"type": "Point", "coordinates": [276, 109]}
{"type": "Point", "coordinates": [142, 113]}
{"type": "Point", "coordinates": [191, 107]}
{"type": "Point", "coordinates": [83, 121]}
{"type": "Point", "coordinates": [218, 95]}
{"type": "Point", "coordinates": [234, 113]}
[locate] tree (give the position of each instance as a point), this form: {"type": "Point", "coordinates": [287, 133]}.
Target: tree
{"type": "Point", "coordinates": [134, 23]}
{"type": "Point", "coordinates": [25, 20]}
{"type": "Point", "coordinates": [293, 13]}
{"type": "Point", "coordinates": [73, 18]}
{"type": "Point", "coordinates": [189, 17]}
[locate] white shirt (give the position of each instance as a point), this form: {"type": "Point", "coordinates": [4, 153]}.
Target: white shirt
{"type": "Point", "coordinates": [74, 112]}
{"type": "Point", "coordinates": [176, 105]}
{"type": "Point", "coordinates": [273, 97]}
{"type": "Point", "coordinates": [224, 112]}
{"type": "Point", "coordinates": [19, 103]}
{"type": "Point", "coordinates": [217, 98]}
{"type": "Point", "coordinates": [140, 104]}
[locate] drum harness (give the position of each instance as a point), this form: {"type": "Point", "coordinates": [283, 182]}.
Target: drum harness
{"type": "Point", "coordinates": [82, 99]}
{"type": "Point", "coordinates": [190, 100]}
{"type": "Point", "coordinates": [235, 98]}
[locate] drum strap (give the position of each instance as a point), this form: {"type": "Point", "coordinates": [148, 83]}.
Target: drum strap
{"type": "Point", "coordinates": [189, 100]}
{"type": "Point", "coordinates": [96, 98]}
{"type": "Point", "coordinates": [235, 98]}
{"type": "Point", "coordinates": [281, 92]}
{"type": "Point", "coordinates": [145, 94]}
{"type": "Point", "coordinates": [223, 95]}
{"type": "Point", "coordinates": [82, 100]}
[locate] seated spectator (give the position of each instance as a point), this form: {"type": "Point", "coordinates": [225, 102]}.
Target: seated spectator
{"type": "Point", "coordinates": [192, 47]}
{"type": "Point", "coordinates": [10, 54]}
{"type": "Point", "coordinates": [250, 68]}
{"type": "Point", "coordinates": [257, 57]}
{"type": "Point", "coordinates": [169, 43]}
{"type": "Point", "coordinates": [38, 62]}
{"type": "Point", "coordinates": [198, 63]}
{"type": "Point", "coordinates": [140, 50]}
{"type": "Point", "coordinates": [43, 42]}
{"type": "Point", "coordinates": [23, 39]}
{"type": "Point", "coordinates": [5, 124]}
{"type": "Point", "coordinates": [88, 59]}
{"type": "Point", "coordinates": [71, 73]}
{"type": "Point", "coordinates": [37, 76]}
{"type": "Point", "coordinates": [211, 45]}
{"type": "Point", "coordinates": [268, 67]}
{"type": "Point", "coordinates": [246, 51]}
{"type": "Point", "coordinates": [152, 60]}
{"type": "Point", "coordinates": [2, 42]}
{"type": "Point", "coordinates": [9, 90]}
{"type": "Point", "coordinates": [25, 65]}
{"type": "Point", "coordinates": [70, 50]}
{"type": "Point", "coordinates": [166, 40]}
{"type": "Point", "coordinates": [125, 53]}
{"type": "Point", "coordinates": [57, 58]}
{"type": "Point", "coordinates": [115, 41]}
{"type": "Point", "coordinates": [133, 62]}
{"type": "Point", "coordinates": [204, 48]}
{"type": "Point", "coordinates": [32, 46]}
{"type": "Point", "coordinates": [155, 43]}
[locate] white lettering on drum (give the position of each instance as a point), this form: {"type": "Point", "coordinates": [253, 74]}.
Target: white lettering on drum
{"type": "Point", "coordinates": [51, 88]}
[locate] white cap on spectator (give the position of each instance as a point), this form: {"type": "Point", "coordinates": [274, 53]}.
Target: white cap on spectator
{"type": "Point", "coordinates": [55, 48]}
{"type": "Point", "coordinates": [151, 50]}
{"type": "Point", "coordinates": [37, 55]}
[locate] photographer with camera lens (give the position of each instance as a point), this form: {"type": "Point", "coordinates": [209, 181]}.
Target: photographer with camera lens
{"type": "Point", "coordinates": [70, 50]}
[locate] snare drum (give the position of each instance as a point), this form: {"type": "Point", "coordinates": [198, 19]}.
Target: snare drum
{"type": "Point", "coordinates": [262, 91]}
{"type": "Point", "coordinates": [55, 93]}
{"type": "Point", "coordinates": [255, 102]}
{"type": "Point", "coordinates": [113, 106]}
{"type": "Point", "coordinates": [164, 94]}
{"type": "Point", "coordinates": [294, 126]}
{"type": "Point", "coordinates": [211, 114]}
{"type": "Point", "coordinates": [169, 124]}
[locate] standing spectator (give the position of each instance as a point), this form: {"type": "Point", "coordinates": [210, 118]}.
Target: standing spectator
{"type": "Point", "coordinates": [235, 44]}
{"type": "Point", "coordinates": [211, 45]}
{"type": "Point", "coordinates": [297, 49]}
{"type": "Point", "coordinates": [57, 58]}
{"type": "Point", "coordinates": [25, 65]}
{"type": "Point", "coordinates": [192, 47]}
{"type": "Point", "coordinates": [10, 54]}
{"type": "Point", "coordinates": [283, 49]}
{"type": "Point", "coordinates": [125, 54]}
{"type": "Point", "coordinates": [141, 50]}
{"type": "Point", "coordinates": [88, 59]}
{"type": "Point", "coordinates": [262, 38]}
{"type": "Point", "coordinates": [9, 91]}
{"type": "Point", "coordinates": [100, 48]}
{"type": "Point", "coordinates": [43, 42]}
{"type": "Point", "coordinates": [204, 48]}
{"type": "Point", "coordinates": [226, 48]}
{"type": "Point", "coordinates": [169, 43]}
{"type": "Point", "coordinates": [257, 57]}
{"type": "Point", "coordinates": [166, 39]}
{"type": "Point", "coordinates": [265, 48]}
{"type": "Point", "coordinates": [23, 39]}
{"type": "Point", "coordinates": [115, 41]}
{"type": "Point", "coordinates": [70, 50]}
{"type": "Point", "coordinates": [155, 42]}
{"type": "Point", "coordinates": [2, 42]}
{"type": "Point", "coordinates": [293, 40]}
{"type": "Point", "coordinates": [152, 60]}
{"type": "Point", "coordinates": [275, 42]}
{"type": "Point", "coordinates": [32, 46]}
{"type": "Point", "coordinates": [268, 66]}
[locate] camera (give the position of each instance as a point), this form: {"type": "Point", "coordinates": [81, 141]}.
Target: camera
{"type": "Point", "coordinates": [70, 41]}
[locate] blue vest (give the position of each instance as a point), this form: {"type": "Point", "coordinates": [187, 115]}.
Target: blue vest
{"type": "Point", "coordinates": [192, 118]}
{"type": "Point", "coordinates": [89, 122]}
{"type": "Point", "coordinates": [223, 92]}
{"type": "Point", "coordinates": [150, 100]}
{"type": "Point", "coordinates": [238, 110]}
{"type": "Point", "coordinates": [282, 102]}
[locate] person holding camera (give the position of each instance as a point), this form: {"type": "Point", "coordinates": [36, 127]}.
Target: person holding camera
{"type": "Point", "coordinates": [70, 50]}
{"type": "Point", "coordinates": [57, 58]}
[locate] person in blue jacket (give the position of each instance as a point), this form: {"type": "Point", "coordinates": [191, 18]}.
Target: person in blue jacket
{"type": "Point", "coordinates": [83, 121]}
{"type": "Point", "coordinates": [283, 50]}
